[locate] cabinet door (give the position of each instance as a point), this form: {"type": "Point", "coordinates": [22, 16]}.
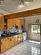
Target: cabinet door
{"type": "Point", "coordinates": [12, 41]}
{"type": "Point", "coordinates": [19, 38]}
{"type": "Point", "coordinates": [15, 37]}
{"type": "Point", "coordinates": [17, 21]}
{"type": "Point", "coordinates": [1, 22]}
{"type": "Point", "coordinates": [3, 45]}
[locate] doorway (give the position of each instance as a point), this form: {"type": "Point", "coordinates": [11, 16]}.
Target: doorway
{"type": "Point", "coordinates": [35, 32]}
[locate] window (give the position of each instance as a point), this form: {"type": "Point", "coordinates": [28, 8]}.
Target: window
{"type": "Point", "coordinates": [35, 28]}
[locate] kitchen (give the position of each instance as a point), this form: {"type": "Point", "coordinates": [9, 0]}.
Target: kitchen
{"type": "Point", "coordinates": [20, 27]}
{"type": "Point", "coordinates": [11, 32]}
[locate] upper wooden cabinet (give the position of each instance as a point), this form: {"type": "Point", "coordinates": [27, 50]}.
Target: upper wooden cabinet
{"type": "Point", "coordinates": [8, 23]}
{"type": "Point", "coordinates": [17, 21]}
{"type": "Point", "coordinates": [1, 22]}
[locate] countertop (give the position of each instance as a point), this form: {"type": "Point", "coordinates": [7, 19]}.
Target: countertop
{"type": "Point", "coordinates": [10, 35]}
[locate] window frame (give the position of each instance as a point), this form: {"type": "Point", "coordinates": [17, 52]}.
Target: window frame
{"type": "Point", "coordinates": [34, 31]}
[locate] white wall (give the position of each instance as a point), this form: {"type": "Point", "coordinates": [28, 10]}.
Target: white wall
{"type": "Point", "coordinates": [32, 20]}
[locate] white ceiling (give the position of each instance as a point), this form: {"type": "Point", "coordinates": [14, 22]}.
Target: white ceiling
{"type": "Point", "coordinates": [11, 6]}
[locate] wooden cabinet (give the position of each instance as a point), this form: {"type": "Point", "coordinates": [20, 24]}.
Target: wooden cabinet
{"type": "Point", "coordinates": [17, 21]}
{"type": "Point", "coordinates": [3, 44]}
{"type": "Point", "coordinates": [1, 22]}
{"type": "Point", "coordinates": [19, 38]}
{"type": "Point", "coordinates": [9, 42]}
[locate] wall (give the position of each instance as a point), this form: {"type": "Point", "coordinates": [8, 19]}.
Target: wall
{"type": "Point", "coordinates": [32, 20]}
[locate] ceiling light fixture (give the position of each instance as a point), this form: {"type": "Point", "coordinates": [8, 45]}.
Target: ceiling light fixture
{"type": "Point", "coordinates": [22, 3]}
{"type": "Point", "coordinates": [21, 6]}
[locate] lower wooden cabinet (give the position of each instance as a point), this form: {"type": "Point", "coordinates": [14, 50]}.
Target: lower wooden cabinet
{"type": "Point", "coordinates": [9, 42]}
{"type": "Point", "coordinates": [5, 44]}
{"type": "Point", "coordinates": [19, 38]}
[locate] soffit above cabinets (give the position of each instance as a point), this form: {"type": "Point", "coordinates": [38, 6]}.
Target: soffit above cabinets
{"type": "Point", "coordinates": [10, 6]}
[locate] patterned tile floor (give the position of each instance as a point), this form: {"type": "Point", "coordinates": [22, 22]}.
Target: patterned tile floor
{"type": "Point", "coordinates": [25, 48]}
